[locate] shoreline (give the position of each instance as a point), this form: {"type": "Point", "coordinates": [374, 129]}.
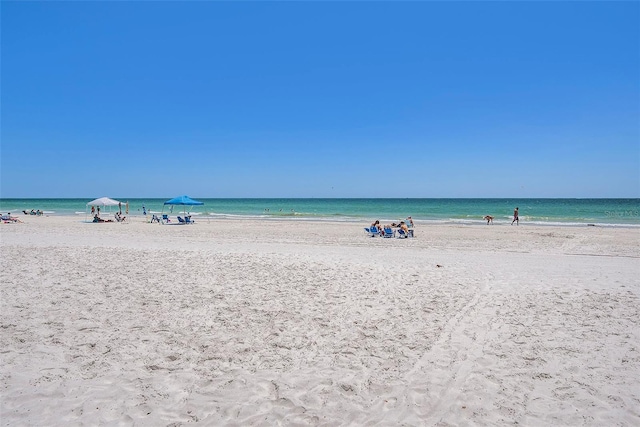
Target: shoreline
{"type": "Point", "coordinates": [348, 220]}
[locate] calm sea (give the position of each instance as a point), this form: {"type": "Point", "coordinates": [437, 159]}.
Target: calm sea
{"type": "Point", "coordinates": [614, 212]}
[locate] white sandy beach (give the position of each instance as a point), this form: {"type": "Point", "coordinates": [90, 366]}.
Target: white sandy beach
{"type": "Point", "coordinates": [247, 322]}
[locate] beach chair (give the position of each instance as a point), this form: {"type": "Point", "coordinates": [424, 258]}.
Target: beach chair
{"type": "Point", "coordinates": [181, 221]}
{"type": "Point", "coordinates": [7, 219]}
{"type": "Point", "coordinates": [388, 232]}
{"type": "Point", "coordinates": [155, 218]}
{"type": "Point", "coordinates": [165, 218]}
{"type": "Point", "coordinates": [373, 231]}
{"type": "Point", "coordinates": [187, 219]}
{"type": "Point", "coordinates": [401, 234]}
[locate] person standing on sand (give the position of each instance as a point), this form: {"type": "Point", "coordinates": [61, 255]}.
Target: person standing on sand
{"type": "Point", "coordinates": [515, 217]}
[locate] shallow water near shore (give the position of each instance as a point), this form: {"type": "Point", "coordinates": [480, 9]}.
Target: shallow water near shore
{"type": "Point", "coordinates": [613, 212]}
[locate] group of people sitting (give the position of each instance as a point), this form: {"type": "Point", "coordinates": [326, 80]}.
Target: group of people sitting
{"type": "Point", "coordinates": [96, 218]}
{"type": "Point", "coordinates": [402, 228]}
{"type": "Point", "coordinates": [119, 218]}
{"type": "Point", "coordinates": [32, 212]}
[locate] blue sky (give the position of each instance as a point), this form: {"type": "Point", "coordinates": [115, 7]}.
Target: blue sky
{"type": "Point", "coordinates": [320, 99]}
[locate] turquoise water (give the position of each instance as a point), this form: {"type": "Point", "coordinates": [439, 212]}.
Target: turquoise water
{"type": "Point", "coordinates": [532, 211]}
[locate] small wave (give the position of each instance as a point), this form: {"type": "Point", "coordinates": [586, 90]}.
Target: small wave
{"type": "Point", "coordinates": [580, 224]}
{"type": "Point", "coordinates": [233, 216]}
{"type": "Point", "coordinates": [288, 217]}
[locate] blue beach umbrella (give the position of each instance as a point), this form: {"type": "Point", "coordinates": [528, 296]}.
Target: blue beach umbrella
{"type": "Point", "coordinates": [184, 201]}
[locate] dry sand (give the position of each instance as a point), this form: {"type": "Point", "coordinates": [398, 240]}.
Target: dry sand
{"type": "Point", "coordinates": [242, 322]}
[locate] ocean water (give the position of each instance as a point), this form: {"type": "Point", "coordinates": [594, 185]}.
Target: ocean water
{"type": "Point", "coordinates": [609, 212]}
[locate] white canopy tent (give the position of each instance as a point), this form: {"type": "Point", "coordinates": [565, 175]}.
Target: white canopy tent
{"type": "Point", "coordinates": [105, 201]}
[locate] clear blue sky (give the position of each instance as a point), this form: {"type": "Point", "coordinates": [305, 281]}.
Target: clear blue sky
{"type": "Point", "coordinates": [320, 99]}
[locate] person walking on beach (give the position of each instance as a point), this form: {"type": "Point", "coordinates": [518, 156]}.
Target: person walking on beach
{"type": "Point", "coordinates": [515, 217]}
